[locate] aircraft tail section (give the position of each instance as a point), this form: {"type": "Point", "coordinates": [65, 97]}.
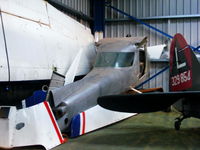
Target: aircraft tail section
{"type": "Point", "coordinates": [35, 125]}
{"type": "Point", "coordinates": [94, 118]}
{"type": "Point", "coordinates": [184, 66]}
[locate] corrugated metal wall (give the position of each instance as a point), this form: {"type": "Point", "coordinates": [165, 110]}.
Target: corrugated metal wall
{"type": "Point", "coordinates": [80, 5]}
{"type": "Point", "coordinates": [162, 80]}
{"type": "Point", "coordinates": [170, 16]}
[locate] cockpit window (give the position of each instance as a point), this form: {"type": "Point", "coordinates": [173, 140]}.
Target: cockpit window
{"type": "Point", "coordinates": [114, 59]}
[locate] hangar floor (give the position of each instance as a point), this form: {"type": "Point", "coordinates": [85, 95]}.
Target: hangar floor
{"type": "Point", "coordinates": [151, 131]}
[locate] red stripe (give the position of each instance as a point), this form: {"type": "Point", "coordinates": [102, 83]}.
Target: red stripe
{"type": "Point", "coordinates": [54, 122]}
{"type": "Point", "coordinates": [83, 116]}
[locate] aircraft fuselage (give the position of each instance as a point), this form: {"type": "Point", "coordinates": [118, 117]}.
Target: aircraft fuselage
{"type": "Point", "coordinates": [34, 42]}
{"type": "Point", "coordinates": [116, 68]}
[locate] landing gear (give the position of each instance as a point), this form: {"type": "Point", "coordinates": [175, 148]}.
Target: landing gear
{"type": "Point", "coordinates": [177, 123]}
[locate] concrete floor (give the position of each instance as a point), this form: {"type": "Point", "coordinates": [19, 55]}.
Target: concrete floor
{"type": "Point", "coordinates": [151, 131]}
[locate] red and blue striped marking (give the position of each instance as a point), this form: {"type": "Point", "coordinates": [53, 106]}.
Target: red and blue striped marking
{"type": "Point", "coordinates": [78, 125]}
{"type": "Point", "coordinates": [61, 139]}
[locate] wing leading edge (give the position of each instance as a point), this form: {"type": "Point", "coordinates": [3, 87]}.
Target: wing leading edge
{"type": "Point", "coordinates": [143, 103]}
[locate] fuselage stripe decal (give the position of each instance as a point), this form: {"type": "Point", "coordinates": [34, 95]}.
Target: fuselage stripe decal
{"type": "Point", "coordinates": [83, 123]}
{"type": "Point", "coordinates": [54, 122]}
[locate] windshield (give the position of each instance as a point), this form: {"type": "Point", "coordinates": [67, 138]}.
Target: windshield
{"type": "Point", "coordinates": [114, 59]}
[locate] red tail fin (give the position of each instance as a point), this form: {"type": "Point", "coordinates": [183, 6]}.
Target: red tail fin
{"type": "Point", "coordinates": [184, 66]}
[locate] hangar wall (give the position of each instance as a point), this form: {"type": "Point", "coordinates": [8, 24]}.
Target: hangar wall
{"type": "Point", "coordinates": [162, 80]}
{"type": "Point", "coordinates": [170, 16]}
{"type": "Point", "coordinates": [80, 5]}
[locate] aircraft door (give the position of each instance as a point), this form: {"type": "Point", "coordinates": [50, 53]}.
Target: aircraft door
{"type": "Point", "coordinates": [142, 62]}
{"type": "Point", "coordinates": [4, 70]}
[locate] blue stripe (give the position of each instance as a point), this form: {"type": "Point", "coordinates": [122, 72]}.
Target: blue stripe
{"type": "Point", "coordinates": [37, 97]}
{"type": "Point", "coordinates": [75, 126]}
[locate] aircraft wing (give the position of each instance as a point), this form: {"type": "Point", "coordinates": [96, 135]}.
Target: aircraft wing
{"type": "Point", "coordinates": [143, 103]}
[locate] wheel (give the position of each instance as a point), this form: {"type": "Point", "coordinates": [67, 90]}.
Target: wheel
{"type": "Point", "coordinates": [177, 125]}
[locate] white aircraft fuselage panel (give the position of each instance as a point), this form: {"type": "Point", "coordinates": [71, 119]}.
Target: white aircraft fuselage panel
{"type": "Point", "coordinates": [30, 9]}
{"type": "Point", "coordinates": [3, 60]}
{"type": "Point", "coordinates": [41, 40]}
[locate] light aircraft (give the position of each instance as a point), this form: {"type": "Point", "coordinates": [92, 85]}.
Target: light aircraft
{"type": "Point", "coordinates": [184, 87]}
{"type": "Point", "coordinates": [41, 46]}
{"type": "Point", "coordinates": [120, 63]}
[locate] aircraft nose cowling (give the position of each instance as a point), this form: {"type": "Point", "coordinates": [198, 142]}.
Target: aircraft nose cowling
{"type": "Point", "coordinates": [82, 95]}
{"type": "Point", "coordinates": [79, 101]}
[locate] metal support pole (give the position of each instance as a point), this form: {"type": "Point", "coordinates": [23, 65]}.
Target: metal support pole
{"type": "Point", "coordinates": [99, 19]}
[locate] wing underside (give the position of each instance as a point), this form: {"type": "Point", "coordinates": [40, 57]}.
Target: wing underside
{"type": "Point", "coordinates": [143, 103]}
